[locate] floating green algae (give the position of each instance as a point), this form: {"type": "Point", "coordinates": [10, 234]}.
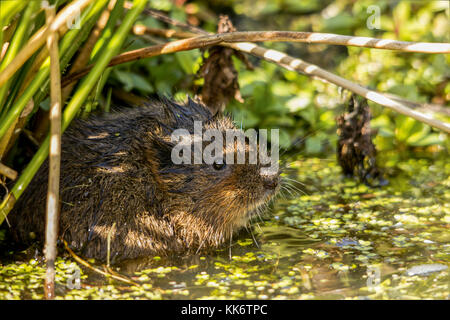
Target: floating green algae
{"type": "Point", "coordinates": [333, 239]}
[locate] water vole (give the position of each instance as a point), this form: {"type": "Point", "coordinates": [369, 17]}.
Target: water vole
{"type": "Point", "coordinates": [118, 179]}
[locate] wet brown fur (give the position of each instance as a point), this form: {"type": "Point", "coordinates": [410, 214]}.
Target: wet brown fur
{"type": "Point", "coordinates": [117, 169]}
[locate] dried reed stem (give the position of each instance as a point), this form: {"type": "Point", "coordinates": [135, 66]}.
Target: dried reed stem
{"type": "Point", "coordinates": [8, 172]}
{"type": "Point", "coordinates": [88, 265]}
{"type": "Point", "coordinates": [304, 67]}
{"type": "Point", "coordinates": [51, 232]}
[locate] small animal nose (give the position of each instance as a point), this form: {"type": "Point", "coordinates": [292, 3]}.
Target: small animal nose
{"type": "Point", "coordinates": [270, 181]}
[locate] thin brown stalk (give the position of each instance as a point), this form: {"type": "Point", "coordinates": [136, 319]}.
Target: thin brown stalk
{"type": "Point", "coordinates": [296, 64]}
{"type": "Point", "coordinates": [171, 33]}
{"type": "Point", "coordinates": [51, 233]}
{"type": "Point", "coordinates": [336, 39]}
{"type": "Point", "coordinates": [31, 137]}
{"type": "Point", "coordinates": [312, 37]}
{"type": "Point", "coordinates": [258, 36]}
{"type": "Point", "coordinates": [171, 47]}
{"type": "Point", "coordinates": [423, 107]}
{"type": "Point", "coordinates": [321, 38]}
{"type": "Point", "coordinates": [88, 265]}
{"type": "Point", "coordinates": [166, 33]}
{"type": "Point", "coordinates": [8, 172]}
{"type": "Point", "coordinates": [39, 38]}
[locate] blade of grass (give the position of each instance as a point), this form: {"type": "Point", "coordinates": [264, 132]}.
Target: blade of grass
{"type": "Point", "coordinates": [42, 75]}
{"type": "Point", "coordinates": [39, 38]}
{"type": "Point", "coordinates": [16, 43]}
{"type": "Point", "coordinates": [106, 35]}
{"type": "Point", "coordinates": [70, 44]}
{"type": "Point", "coordinates": [74, 105]}
{"type": "Point", "coordinates": [9, 9]}
{"type": "Point", "coordinates": [6, 36]}
{"type": "Point", "coordinates": [109, 29]}
{"type": "Point", "coordinates": [108, 100]}
{"type": "Point", "coordinates": [15, 87]}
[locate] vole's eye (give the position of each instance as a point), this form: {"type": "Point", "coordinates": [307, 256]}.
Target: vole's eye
{"type": "Point", "coordinates": [219, 165]}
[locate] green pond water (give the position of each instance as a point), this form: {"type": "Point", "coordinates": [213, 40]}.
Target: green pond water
{"type": "Point", "coordinates": [335, 239]}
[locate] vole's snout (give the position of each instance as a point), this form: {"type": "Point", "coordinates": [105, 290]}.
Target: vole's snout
{"type": "Point", "coordinates": [270, 181]}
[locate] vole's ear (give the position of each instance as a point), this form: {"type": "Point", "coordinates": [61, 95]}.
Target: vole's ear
{"type": "Point", "coordinates": [158, 153]}
{"type": "Point", "coordinates": [163, 151]}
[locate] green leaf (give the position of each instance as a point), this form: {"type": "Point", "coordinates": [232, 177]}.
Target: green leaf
{"type": "Point", "coordinates": [402, 11]}
{"type": "Point", "coordinates": [187, 59]}
{"type": "Point", "coordinates": [279, 121]}
{"type": "Point", "coordinates": [418, 135]}
{"type": "Point", "coordinates": [381, 121]}
{"type": "Point", "coordinates": [386, 132]}
{"type": "Point", "coordinates": [309, 114]}
{"type": "Point", "coordinates": [298, 103]}
{"type": "Point", "coordinates": [313, 145]}
{"type": "Point", "coordinates": [45, 105]}
{"type": "Point", "coordinates": [433, 138]}
{"type": "Point", "coordinates": [407, 91]}
{"type": "Point", "coordinates": [405, 127]}
{"type": "Point", "coordinates": [133, 80]}
{"type": "Point", "coordinates": [342, 23]}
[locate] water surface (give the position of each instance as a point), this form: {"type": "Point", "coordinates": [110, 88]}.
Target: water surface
{"type": "Point", "coordinates": [328, 237]}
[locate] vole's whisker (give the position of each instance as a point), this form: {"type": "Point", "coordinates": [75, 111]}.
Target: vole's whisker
{"type": "Point", "coordinates": [290, 186]}
{"type": "Point", "coordinates": [287, 190]}
{"type": "Point", "coordinates": [258, 214]}
{"type": "Point", "coordinates": [253, 237]}
{"type": "Point", "coordinates": [281, 194]}
{"type": "Point", "coordinates": [298, 189]}
{"type": "Point", "coordinates": [293, 187]}
{"type": "Point", "coordinates": [286, 179]}
{"type": "Point", "coordinates": [259, 227]}
{"type": "Point", "coordinates": [287, 194]}
{"type": "Point", "coordinates": [288, 170]}
{"type": "Point", "coordinates": [293, 180]}
{"type": "Point", "coordinates": [231, 242]}
{"type": "Point", "coordinates": [249, 228]}
{"type": "Point", "coordinates": [203, 241]}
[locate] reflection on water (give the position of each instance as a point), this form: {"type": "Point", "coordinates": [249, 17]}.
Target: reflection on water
{"type": "Point", "coordinates": [337, 240]}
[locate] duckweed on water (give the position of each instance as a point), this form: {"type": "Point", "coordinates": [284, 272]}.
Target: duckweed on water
{"type": "Point", "coordinates": [339, 240]}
